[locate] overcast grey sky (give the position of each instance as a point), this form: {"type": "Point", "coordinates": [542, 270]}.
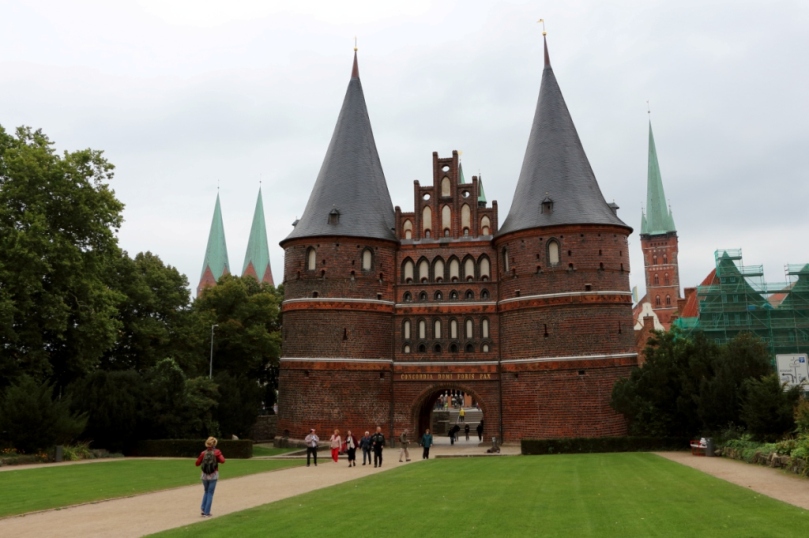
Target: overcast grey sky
{"type": "Point", "coordinates": [185, 95]}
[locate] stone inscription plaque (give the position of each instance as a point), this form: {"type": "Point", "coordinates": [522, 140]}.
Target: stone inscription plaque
{"type": "Point", "coordinates": [449, 376]}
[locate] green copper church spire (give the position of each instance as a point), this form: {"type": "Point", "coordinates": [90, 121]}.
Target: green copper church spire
{"type": "Point", "coordinates": [658, 218]}
{"type": "Point", "coordinates": [216, 254]}
{"type": "Point", "coordinates": [257, 258]}
{"type": "Point", "coordinates": [481, 193]}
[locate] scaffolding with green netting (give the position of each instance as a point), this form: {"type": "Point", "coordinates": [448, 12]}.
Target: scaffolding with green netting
{"type": "Point", "coordinates": [740, 300]}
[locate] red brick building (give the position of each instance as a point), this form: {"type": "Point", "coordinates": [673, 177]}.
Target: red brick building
{"type": "Point", "coordinates": [386, 309]}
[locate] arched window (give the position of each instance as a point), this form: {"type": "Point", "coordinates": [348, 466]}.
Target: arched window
{"type": "Point", "coordinates": [454, 270]}
{"type": "Point", "coordinates": [437, 348]}
{"type": "Point", "coordinates": [485, 268]}
{"type": "Point", "coordinates": [445, 187]}
{"type": "Point", "coordinates": [484, 328]}
{"type": "Point", "coordinates": [453, 329]}
{"type": "Point", "coordinates": [657, 300]}
{"type": "Point", "coordinates": [407, 272]}
{"type": "Point", "coordinates": [466, 217]}
{"type": "Point", "coordinates": [367, 260]}
{"type": "Point", "coordinates": [654, 259]}
{"type": "Point", "coordinates": [485, 226]}
{"type": "Point", "coordinates": [427, 220]}
{"type": "Point", "coordinates": [311, 259]}
{"type": "Point", "coordinates": [505, 260]}
{"type": "Point", "coordinates": [666, 279]}
{"type": "Point", "coordinates": [424, 271]}
{"type": "Point", "coordinates": [553, 252]}
{"type": "Point", "coordinates": [422, 348]}
{"type": "Point", "coordinates": [469, 328]}
{"type": "Point", "coordinates": [668, 300]}
{"type": "Point", "coordinates": [423, 296]}
{"type": "Point", "coordinates": [665, 258]}
{"type": "Point", "coordinates": [453, 348]}
{"type": "Point", "coordinates": [438, 270]}
{"type": "Point", "coordinates": [470, 295]}
{"type": "Point", "coordinates": [408, 229]}
{"type": "Point", "coordinates": [407, 297]}
{"type": "Point", "coordinates": [439, 296]}
{"type": "Point", "coordinates": [656, 280]}
{"type": "Point", "coordinates": [453, 295]}
{"type": "Point", "coordinates": [484, 294]}
{"type": "Point", "coordinates": [406, 330]}
{"type": "Point", "coordinates": [470, 348]}
{"type": "Point", "coordinates": [422, 329]}
{"type": "Point", "coordinates": [446, 218]}
{"type": "Point", "coordinates": [485, 348]}
{"type": "Point", "coordinates": [407, 349]}
{"type": "Point", "coordinates": [437, 329]}
{"type": "Point", "coordinates": [469, 269]}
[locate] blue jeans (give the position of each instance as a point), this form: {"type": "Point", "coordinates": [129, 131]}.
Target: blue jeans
{"type": "Point", "coordinates": [207, 497]}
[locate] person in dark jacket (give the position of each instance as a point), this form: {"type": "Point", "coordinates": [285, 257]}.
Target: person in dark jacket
{"type": "Point", "coordinates": [426, 442]}
{"type": "Point", "coordinates": [365, 445]}
{"type": "Point", "coordinates": [480, 430]}
{"type": "Point", "coordinates": [466, 430]}
{"type": "Point", "coordinates": [378, 444]}
{"type": "Point", "coordinates": [209, 478]}
{"type": "Point", "coordinates": [453, 434]}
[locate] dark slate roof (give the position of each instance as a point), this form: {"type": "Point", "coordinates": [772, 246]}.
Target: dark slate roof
{"type": "Point", "coordinates": [556, 168]}
{"type": "Point", "coordinates": [351, 186]}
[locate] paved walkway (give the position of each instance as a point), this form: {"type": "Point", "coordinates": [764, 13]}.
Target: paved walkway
{"type": "Point", "coordinates": [774, 483]}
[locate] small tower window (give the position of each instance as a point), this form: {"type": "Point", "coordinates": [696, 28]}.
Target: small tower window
{"type": "Point", "coordinates": [547, 205]}
{"type": "Point", "coordinates": [311, 259]}
{"type": "Point", "coordinates": [665, 258]}
{"type": "Point", "coordinates": [453, 329]}
{"type": "Point", "coordinates": [423, 296]}
{"type": "Point", "coordinates": [484, 294]}
{"type": "Point", "coordinates": [485, 348]}
{"type": "Point", "coordinates": [453, 295]}
{"type": "Point", "coordinates": [656, 280]}
{"type": "Point", "coordinates": [406, 329]}
{"type": "Point", "coordinates": [469, 328]}
{"type": "Point", "coordinates": [437, 329]}
{"type": "Point", "coordinates": [422, 329]}
{"type": "Point", "coordinates": [668, 300]}
{"type": "Point", "coordinates": [654, 259]}
{"type": "Point", "coordinates": [439, 296]}
{"type": "Point", "coordinates": [470, 295]}
{"type": "Point", "coordinates": [666, 279]}
{"type": "Point", "coordinates": [505, 259]}
{"type": "Point", "coordinates": [553, 252]}
{"type": "Point", "coordinates": [484, 328]}
{"type": "Point", "coordinates": [367, 260]}
{"type": "Point", "coordinates": [334, 216]}
{"type": "Point", "coordinates": [407, 349]}
{"type": "Point", "coordinates": [657, 300]}
{"type": "Point", "coordinates": [407, 297]}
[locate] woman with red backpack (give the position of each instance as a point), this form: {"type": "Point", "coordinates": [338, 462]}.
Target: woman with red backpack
{"type": "Point", "coordinates": [209, 460]}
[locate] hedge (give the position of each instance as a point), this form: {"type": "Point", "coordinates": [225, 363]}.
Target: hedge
{"type": "Point", "coordinates": [189, 448]}
{"type": "Point", "coordinates": [579, 445]}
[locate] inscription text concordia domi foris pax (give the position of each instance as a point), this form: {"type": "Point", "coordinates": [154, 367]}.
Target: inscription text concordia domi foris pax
{"type": "Point", "coordinates": [446, 377]}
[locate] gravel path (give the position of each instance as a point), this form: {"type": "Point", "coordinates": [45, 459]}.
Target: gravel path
{"type": "Point", "coordinates": [774, 483]}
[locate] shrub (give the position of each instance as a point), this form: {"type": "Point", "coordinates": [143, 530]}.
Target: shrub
{"type": "Point", "coordinates": [190, 448]}
{"type": "Point", "coordinates": [79, 451]}
{"type": "Point", "coordinates": [31, 419]}
{"type": "Point", "coordinates": [767, 409]}
{"type": "Point", "coordinates": [601, 444]}
{"type": "Point", "coordinates": [802, 416]}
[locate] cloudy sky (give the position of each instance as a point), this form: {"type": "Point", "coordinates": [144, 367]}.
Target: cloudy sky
{"type": "Point", "coordinates": [185, 96]}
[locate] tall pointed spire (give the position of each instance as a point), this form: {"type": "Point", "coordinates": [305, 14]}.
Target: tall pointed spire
{"type": "Point", "coordinates": [658, 218]}
{"type": "Point", "coordinates": [556, 185]}
{"type": "Point", "coordinates": [216, 253]}
{"type": "Point", "coordinates": [350, 196]}
{"type": "Point", "coordinates": [257, 257]}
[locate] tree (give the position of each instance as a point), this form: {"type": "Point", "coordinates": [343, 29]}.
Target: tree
{"type": "Point", "coordinates": [32, 419]}
{"type": "Point", "coordinates": [58, 220]}
{"type": "Point", "coordinates": [239, 402]}
{"type": "Point", "coordinates": [767, 409]}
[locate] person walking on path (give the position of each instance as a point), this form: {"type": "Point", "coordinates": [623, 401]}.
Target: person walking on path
{"type": "Point", "coordinates": [405, 442]}
{"type": "Point", "coordinates": [426, 442]}
{"type": "Point", "coordinates": [209, 459]}
{"type": "Point", "coordinates": [462, 414]}
{"type": "Point", "coordinates": [378, 444]}
{"type": "Point", "coordinates": [365, 445]}
{"type": "Point", "coordinates": [311, 441]}
{"type": "Point", "coordinates": [480, 430]}
{"type": "Point", "coordinates": [335, 442]}
{"type": "Point", "coordinates": [351, 449]}
{"type": "Point", "coordinates": [453, 434]}
{"type": "Point", "coordinates": [466, 431]}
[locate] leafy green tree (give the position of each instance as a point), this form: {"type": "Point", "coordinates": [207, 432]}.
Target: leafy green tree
{"type": "Point", "coordinates": [58, 220]}
{"type": "Point", "coordinates": [32, 419]}
{"type": "Point", "coordinates": [767, 409]}
{"type": "Point", "coordinates": [239, 401]}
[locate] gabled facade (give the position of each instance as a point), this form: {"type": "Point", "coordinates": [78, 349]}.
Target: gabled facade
{"type": "Point", "coordinates": [216, 262]}
{"type": "Point", "coordinates": [386, 309]}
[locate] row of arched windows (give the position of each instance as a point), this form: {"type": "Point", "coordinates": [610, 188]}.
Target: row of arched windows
{"type": "Point", "coordinates": [446, 223]}
{"type": "Point", "coordinates": [451, 271]}
{"type": "Point", "coordinates": [436, 329]}
{"type": "Point", "coordinates": [656, 279]}
{"type": "Point", "coordinates": [665, 258]}
{"type": "Point", "coordinates": [658, 303]}
{"type": "Point", "coordinates": [367, 259]}
{"type": "Point", "coordinates": [469, 295]}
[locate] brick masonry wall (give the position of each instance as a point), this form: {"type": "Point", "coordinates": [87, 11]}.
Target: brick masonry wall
{"type": "Point", "coordinates": [348, 333]}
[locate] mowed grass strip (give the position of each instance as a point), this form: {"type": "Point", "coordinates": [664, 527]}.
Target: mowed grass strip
{"type": "Point", "coordinates": [28, 490]}
{"type": "Point", "coordinates": [263, 451]}
{"type": "Point", "coordinates": [600, 495]}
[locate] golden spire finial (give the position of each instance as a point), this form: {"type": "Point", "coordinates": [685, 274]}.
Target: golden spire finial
{"type": "Point", "coordinates": [543, 26]}
{"type": "Point", "coordinates": [355, 43]}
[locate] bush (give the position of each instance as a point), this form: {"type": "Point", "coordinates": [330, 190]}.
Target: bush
{"type": "Point", "coordinates": [601, 444]}
{"type": "Point", "coordinates": [802, 416]}
{"type": "Point", "coordinates": [767, 409]}
{"type": "Point", "coordinates": [190, 448]}
{"type": "Point", "coordinates": [31, 419]}
{"type": "Point", "coordinates": [79, 451]}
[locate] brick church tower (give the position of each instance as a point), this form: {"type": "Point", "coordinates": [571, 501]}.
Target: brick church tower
{"type": "Point", "coordinates": [658, 238]}
{"type": "Point", "coordinates": [565, 306]}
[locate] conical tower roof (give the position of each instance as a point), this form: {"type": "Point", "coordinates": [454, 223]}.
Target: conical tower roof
{"type": "Point", "coordinates": [658, 218]}
{"type": "Point", "coordinates": [216, 253]}
{"type": "Point", "coordinates": [350, 196]}
{"type": "Point", "coordinates": [556, 185]}
{"type": "Point", "coordinates": [257, 258]}
{"type": "Point", "coordinates": [481, 193]}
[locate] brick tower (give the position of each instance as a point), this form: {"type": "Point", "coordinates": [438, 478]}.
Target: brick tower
{"type": "Point", "coordinates": [339, 265]}
{"type": "Point", "coordinates": [257, 257]}
{"type": "Point", "coordinates": [565, 306]}
{"type": "Point", "coordinates": [658, 238]}
{"type": "Point", "coordinates": [216, 253]}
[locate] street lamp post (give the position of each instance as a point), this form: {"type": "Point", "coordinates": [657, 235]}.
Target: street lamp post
{"type": "Point", "coordinates": [210, 368]}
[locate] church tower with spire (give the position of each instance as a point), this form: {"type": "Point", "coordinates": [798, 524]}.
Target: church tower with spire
{"type": "Point", "coordinates": [257, 257]}
{"type": "Point", "coordinates": [658, 238]}
{"type": "Point", "coordinates": [564, 300]}
{"type": "Point", "coordinates": [216, 253]}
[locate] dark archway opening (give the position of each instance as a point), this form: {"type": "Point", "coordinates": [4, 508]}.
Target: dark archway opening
{"type": "Point", "coordinates": [439, 409]}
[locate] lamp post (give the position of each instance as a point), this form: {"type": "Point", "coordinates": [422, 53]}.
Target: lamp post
{"type": "Point", "coordinates": [210, 369]}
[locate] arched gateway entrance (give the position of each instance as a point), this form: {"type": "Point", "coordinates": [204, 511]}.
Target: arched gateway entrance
{"type": "Point", "coordinates": [434, 409]}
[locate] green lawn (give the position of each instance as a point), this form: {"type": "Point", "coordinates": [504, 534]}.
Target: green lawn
{"type": "Point", "coordinates": [605, 495]}
{"type": "Point", "coordinates": [52, 487]}
{"type": "Point", "coordinates": [269, 451]}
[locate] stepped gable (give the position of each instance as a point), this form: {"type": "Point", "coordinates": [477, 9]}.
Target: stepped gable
{"type": "Point", "coordinates": [658, 218]}
{"type": "Point", "coordinates": [257, 257]}
{"type": "Point", "coordinates": [216, 262]}
{"type": "Point", "coordinates": [350, 196]}
{"type": "Point", "coordinates": [556, 185]}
